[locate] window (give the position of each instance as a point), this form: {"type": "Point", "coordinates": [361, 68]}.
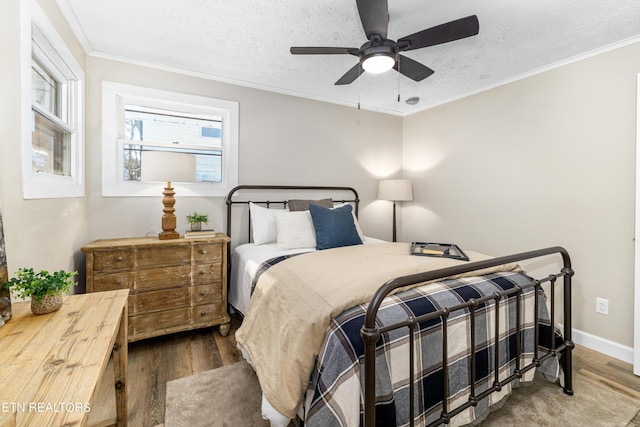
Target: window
{"type": "Point", "coordinates": [50, 148]}
{"type": "Point", "coordinates": [53, 137]}
{"type": "Point", "coordinates": [137, 119]}
{"type": "Point", "coordinates": [172, 131]}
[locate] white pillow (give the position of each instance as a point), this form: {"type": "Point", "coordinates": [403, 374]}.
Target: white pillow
{"type": "Point", "coordinates": [263, 224]}
{"type": "Point", "coordinates": [295, 230]}
{"type": "Point", "coordinates": [355, 219]}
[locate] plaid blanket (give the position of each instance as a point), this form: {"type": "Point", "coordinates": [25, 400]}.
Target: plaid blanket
{"type": "Point", "coordinates": [335, 394]}
{"type": "Point", "coordinates": [335, 397]}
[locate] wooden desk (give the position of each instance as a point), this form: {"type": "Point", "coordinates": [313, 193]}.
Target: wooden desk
{"type": "Point", "coordinates": [50, 365]}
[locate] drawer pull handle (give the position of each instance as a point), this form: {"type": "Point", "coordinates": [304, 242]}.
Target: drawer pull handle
{"type": "Point", "coordinates": [202, 313]}
{"type": "Point", "coordinates": [118, 282]}
{"type": "Point", "coordinates": [119, 259]}
{"type": "Point", "coordinates": [203, 293]}
{"type": "Point", "coordinates": [202, 272]}
{"type": "Point", "coordinates": [203, 251]}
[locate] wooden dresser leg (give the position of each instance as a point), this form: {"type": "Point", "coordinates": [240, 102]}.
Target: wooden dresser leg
{"type": "Point", "coordinates": [224, 329]}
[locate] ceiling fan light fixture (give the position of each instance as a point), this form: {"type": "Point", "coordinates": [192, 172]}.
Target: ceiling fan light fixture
{"type": "Point", "coordinates": [379, 54]}
{"type": "Point", "coordinates": [378, 63]}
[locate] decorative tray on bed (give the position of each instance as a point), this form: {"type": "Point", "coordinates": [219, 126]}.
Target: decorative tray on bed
{"type": "Point", "coordinates": [441, 250]}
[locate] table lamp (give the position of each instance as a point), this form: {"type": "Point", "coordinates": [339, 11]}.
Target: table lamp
{"type": "Point", "coordinates": [396, 190]}
{"type": "Point", "coordinates": [164, 166]}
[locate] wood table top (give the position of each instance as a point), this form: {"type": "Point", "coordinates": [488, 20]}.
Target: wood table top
{"type": "Point", "coordinates": [51, 364]}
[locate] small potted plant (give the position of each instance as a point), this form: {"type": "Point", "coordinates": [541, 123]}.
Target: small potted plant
{"type": "Point", "coordinates": [44, 288]}
{"type": "Point", "coordinates": [196, 219]}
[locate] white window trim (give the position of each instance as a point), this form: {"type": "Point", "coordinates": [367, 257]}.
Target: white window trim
{"type": "Point", "coordinates": [40, 185]}
{"type": "Point", "coordinates": [116, 95]}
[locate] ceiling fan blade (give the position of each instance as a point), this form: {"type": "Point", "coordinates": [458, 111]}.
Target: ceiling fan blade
{"type": "Point", "coordinates": [412, 69]}
{"type": "Point", "coordinates": [324, 50]}
{"type": "Point", "coordinates": [374, 15]}
{"type": "Point", "coordinates": [454, 30]}
{"type": "Point", "coordinates": [351, 75]}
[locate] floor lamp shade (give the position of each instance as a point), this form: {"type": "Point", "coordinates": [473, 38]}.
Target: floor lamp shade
{"type": "Point", "coordinates": [396, 190]}
{"type": "Point", "coordinates": [162, 166]}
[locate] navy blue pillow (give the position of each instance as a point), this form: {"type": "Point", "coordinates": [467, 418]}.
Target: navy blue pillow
{"type": "Point", "coordinates": [334, 227]}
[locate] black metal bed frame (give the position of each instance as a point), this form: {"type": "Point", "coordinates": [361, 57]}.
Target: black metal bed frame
{"type": "Point", "coordinates": [230, 202]}
{"type": "Point", "coordinates": [281, 190]}
{"type": "Point", "coordinates": [370, 332]}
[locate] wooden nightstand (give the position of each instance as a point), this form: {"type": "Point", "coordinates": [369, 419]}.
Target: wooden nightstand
{"type": "Point", "coordinates": [175, 285]}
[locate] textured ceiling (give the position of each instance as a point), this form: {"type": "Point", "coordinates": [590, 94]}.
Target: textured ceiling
{"type": "Point", "coordinates": [247, 42]}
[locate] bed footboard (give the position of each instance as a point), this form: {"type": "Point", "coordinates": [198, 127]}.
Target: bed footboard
{"type": "Point", "coordinates": [370, 332]}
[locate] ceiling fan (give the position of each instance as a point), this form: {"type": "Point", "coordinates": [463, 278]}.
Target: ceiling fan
{"type": "Point", "coordinates": [379, 54]}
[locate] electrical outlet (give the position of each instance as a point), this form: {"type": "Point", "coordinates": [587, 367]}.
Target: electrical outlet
{"type": "Point", "coordinates": [602, 306]}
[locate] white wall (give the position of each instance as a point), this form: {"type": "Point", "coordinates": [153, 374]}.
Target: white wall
{"type": "Point", "coordinates": [283, 140]}
{"type": "Point", "coordinates": [548, 160]}
{"type": "Point", "coordinates": [48, 233]}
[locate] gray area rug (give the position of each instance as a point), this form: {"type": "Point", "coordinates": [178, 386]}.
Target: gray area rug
{"type": "Point", "coordinates": [230, 396]}
{"type": "Point", "coordinates": [542, 403]}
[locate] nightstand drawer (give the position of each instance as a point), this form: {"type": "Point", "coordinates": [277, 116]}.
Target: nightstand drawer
{"type": "Point", "coordinates": [165, 255]}
{"type": "Point", "coordinates": [207, 252]}
{"type": "Point", "coordinates": [206, 273]}
{"type": "Point", "coordinates": [112, 260]}
{"type": "Point", "coordinates": [206, 294]}
{"type": "Point", "coordinates": [112, 281]}
{"type": "Point", "coordinates": [160, 278]}
{"type": "Point", "coordinates": [148, 302]}
{"type": "Point", "coordinates": [206, 313]}
{"type": "Point", "coordinates": [160, 322]}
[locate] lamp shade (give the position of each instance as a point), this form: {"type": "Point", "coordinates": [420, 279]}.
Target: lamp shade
{"type": "Point", "coordinates": [164, 166]}
{"type": "Point", "coordinates": [397, 190]}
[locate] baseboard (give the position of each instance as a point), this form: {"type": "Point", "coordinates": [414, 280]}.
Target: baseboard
{"type": "Point", "coordinates": [602, 345]}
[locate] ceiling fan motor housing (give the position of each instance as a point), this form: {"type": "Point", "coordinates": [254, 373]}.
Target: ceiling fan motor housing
{"type": "Point", "coordinates": [378, 47]}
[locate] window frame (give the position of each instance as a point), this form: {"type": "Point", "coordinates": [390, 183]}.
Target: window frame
{"type": "Point", "coordinates": [114, 98]}
{"type": "Point", "coordinates": [41, 40]}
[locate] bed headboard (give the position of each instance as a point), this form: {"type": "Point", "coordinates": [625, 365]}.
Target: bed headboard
{"type": "Point", "coordinates": [278, 195]}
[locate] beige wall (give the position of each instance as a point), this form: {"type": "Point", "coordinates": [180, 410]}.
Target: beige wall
{"type": "Point", "coordinates": [548, 160]}
{"type": "Point", "coordinates": [283, 140]}
{"type": "Point", "coordinates": [43, 234]}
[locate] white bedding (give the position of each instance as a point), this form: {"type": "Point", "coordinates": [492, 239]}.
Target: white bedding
{"type": "Point", "coordinates": [245, 261]}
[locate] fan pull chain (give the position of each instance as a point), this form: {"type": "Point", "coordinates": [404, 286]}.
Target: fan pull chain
{"type": "Point", "coordinates": [359, 78]}
{"type": "Point", "coordinates": [398, 73]}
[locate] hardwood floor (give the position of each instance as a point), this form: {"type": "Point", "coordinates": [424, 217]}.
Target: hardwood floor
{"type": "Point", "coordinates": [155, 361]}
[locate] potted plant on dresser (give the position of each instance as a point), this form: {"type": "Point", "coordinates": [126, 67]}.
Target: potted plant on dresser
{"type": "Point", "coordinates": [44, 288]}
{"type": "Point", "coordinates": [196, 220]}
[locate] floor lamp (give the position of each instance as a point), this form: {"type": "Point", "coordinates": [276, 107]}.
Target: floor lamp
{"type": "Point", "coordinates": [396, 190]}
{"type": "Point", "coordinates": [164, 166]}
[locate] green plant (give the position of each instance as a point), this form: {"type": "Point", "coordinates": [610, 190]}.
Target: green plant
{"type": "Point", "coordinates": [29, 283]}
{"type": "Point", "coordinates": [197, 217]}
